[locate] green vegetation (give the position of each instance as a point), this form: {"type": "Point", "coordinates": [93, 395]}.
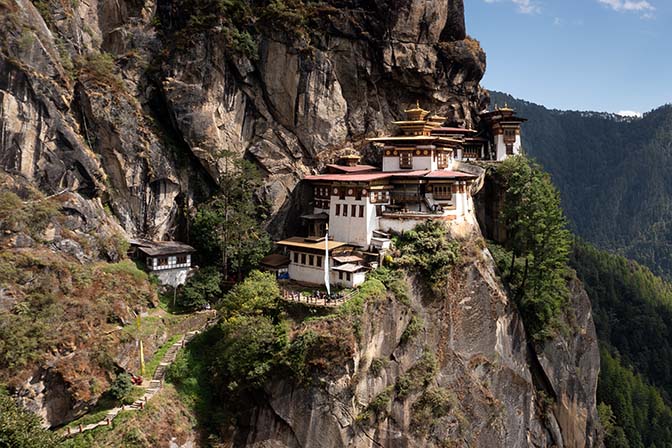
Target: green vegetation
{"type": "Point", "coordinates": [31, 216]}
{"type": "Point", "coordinates": [534, 264]}
{"type": "Point", "coordinates": [432, 405]}
{"type": "Point", "coordinates": [21, 428]}
{"type": "Point", "coordinates": [260, 338]}
{"type": "Point", "coordinates": [619, 195]}
{"type": "Point", "coordinates": [121, 387]}
{"type": "Point", "coordinates": [427, 251]}
{"type": "Point", "coordinates": [101, 67]}
{"type": "Point", "coordinates": [414, 327]}
{"type": "Point", "coordinates": [395, 282]}
{"type": "Point", "coordinates": [632, 309]}
{"type": "Point", "coordinates": [419, 376]}
{"type": "Point", "coordinates": [227, 230]}
{"type": "Point", "coordinates": [201, 289]}
{"type": "Point", "coordinates": [241, 22]}
{"type": "Point", "coordinates": [57, 302]}
{"type": "Point", "coordinates": [639, 416]}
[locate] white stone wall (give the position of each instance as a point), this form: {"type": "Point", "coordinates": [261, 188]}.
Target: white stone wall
{"type": "Point", "coordinates": [391, 163]}
{"type": "Point", "coordinates": [352, 229]}
{"type": "Point", "coordinates": [356, 279]}
{"type": "Point", "coordinates": [306, 274]}
{"type": "Point", "coordinates": [500, 146]}
{"type": "Point", "coordinates": [172, 277]}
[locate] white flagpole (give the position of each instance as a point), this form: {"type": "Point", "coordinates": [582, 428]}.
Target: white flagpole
{"type": "Point", "coordinates": [326, 261]}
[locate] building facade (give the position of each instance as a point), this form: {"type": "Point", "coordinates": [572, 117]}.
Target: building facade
{"type": "Point", "coordinates": [170, 261]}
{"type": "Point", "coordinates": [362, 205]}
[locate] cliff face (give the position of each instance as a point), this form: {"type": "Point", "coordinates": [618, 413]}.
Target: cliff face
{"type": "Point", "coordinates": [143, 129]}
{"type": "Point", "coordinates": [469, 377]}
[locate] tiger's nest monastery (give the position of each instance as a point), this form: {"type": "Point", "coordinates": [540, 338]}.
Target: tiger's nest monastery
{"type": "Point", "coordinates": [423, 176]}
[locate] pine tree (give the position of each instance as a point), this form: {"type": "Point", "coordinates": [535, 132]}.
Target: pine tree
{"type": "Point", "coordinates": [227, 227]}
{"type": "Point", "coordinates": [537, 234]}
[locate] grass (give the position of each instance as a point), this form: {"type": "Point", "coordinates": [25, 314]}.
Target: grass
{"type": "Point", "coordinates": [103, 407]}
{"type": "Point", "coordinates": [153, 364]}
{"type": "Point", "coordinates": [125, 267]}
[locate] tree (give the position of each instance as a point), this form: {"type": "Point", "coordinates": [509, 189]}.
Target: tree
{"type": "Point", "coordinates": [21, 428]}
{"type": "Point", "coordinates": [258, 294]}
{"type": "Point", "coordinates": [203, 288]}
{"type": "Point", "coordinates": [121, 387]}
{"type": "Point", "coordinates": [227, 228]}
{"type": "Point", "coordinates": [537, 233]}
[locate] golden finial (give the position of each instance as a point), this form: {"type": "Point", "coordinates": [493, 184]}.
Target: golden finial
{"type": "Point", "coordinates": [417, 104]}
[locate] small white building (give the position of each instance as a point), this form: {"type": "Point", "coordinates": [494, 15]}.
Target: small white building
{"type": "Point", "coordinates": [505, 132]}
{"type": "Point", "coordinates": [170, 261]}
{"type": "Point", "coordinates": [307, 262]}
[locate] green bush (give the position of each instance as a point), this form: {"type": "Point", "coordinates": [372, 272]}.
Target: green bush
{"type": "Point", "coordinates": [395, 282]}
{"type": "Point", "coordinates": [21, 428]}
{"type": "Point", "coordinates": [414, 327]}
{"type": "Point", "coordinates": [201, 289]}
{"type": "Point", "coordinates": [259, 293]}
{"type": "Point", "coordinates": [121, 387]}
{"type": "Point", "coordinates": [427, 250]}
{"type": "Point", "coordinates": [432, 405]}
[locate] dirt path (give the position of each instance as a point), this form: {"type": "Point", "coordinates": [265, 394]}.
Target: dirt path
{"type": "Point", "coordinates": [152, 386]}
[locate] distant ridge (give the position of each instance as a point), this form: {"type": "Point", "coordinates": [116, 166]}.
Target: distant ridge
{"type": "Point", "coordinates": [612, 172]}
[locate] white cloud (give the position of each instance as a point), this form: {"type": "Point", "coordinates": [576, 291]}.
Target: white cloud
{"type": "Point", "coordinates": [524, 6]}
{"type": "Point", "coordinates": [630, 113]}
{"type": "Point", "coordinates": [557, 21]}
{"type": "Point", "coordinates": [527, 6]}
{"type": "Point", "coordinates": [629, 5]}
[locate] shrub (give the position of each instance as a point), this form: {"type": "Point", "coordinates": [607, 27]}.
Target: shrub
{"type": "Point", "coordinates": [257, 294]}
{"type": "Point", "coordinates": [121, 387]}
{"type": "Point", "coordinates": [432, 405]}
{"type": "Point", "coordinates": [415, 326]}
{"type": "Point", "coordinates": [201, 289]}
{"type": "Point", "coordinates": [22, 428]}
{"type": "Point", "coordinates": [427, 250]}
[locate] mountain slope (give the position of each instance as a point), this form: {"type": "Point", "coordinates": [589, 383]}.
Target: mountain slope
{"type": "Point", "coordinates": [613, 175]}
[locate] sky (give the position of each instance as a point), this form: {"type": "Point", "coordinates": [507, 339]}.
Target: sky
{"type": "Point", "coordinates": [600, 55]}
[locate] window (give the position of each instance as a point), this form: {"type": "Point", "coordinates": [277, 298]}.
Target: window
{"type": "Point", "coordinates": [442, 191]}
{"type": "Point", "coordinates": [358, 193]}
{"type": "Point", "coordinates": [347, 276]}
{"type": "Point", "coordinates": [319, 260]}
{"type": "Point", "coordinates": [353, 210]}
{"type": "Point", "coordinates": [340, 275]}
{"type": "Point", "coordinates": [442, 160]}
{"type": "Point", "coordinates": [406, 159]}
{"type": "Point", "coordinates": [311, 259]}
{"type": "Point", "coordinates": [361, 211]}
{"type": "Point", "coordinates": [303, 258]}
{"type": "Point", "coordinates": [181, 259]}
{"type": "Point", "coordinates": [163, 261]}
{"type": "Point", "coordinates": [296, 257]}
{"type": "Point", "coordinates": [338, 209]}
{"type": "Point", "coordinates": [341, 193]}
{"type": "Point", "coordinates": [345, 209]}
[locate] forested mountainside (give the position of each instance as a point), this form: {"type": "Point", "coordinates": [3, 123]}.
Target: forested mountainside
{"type": "Point", "coordinates": [613, 174]}
{"type": "Point", "coordinates": [633, 317]}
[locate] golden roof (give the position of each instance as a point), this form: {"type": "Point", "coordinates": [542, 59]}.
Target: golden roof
{"type": "Point", "coordinates": [416, 113]}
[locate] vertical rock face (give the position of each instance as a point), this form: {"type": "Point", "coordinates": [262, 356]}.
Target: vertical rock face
{"type": "Point", "coordinates": [490, 388]}
{"type": "Point", "coordinates": [144, 132]}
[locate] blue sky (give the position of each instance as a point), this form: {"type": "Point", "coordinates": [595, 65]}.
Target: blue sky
{"type": "Point", "coordinates": [604, 55]}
